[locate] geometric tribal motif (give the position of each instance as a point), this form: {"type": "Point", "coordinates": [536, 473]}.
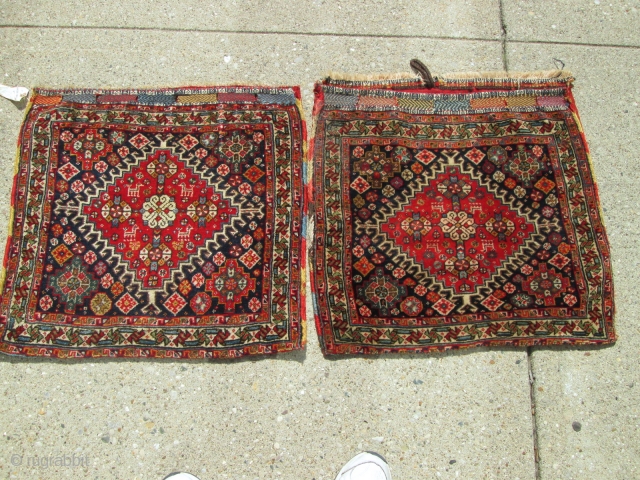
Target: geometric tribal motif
{"type": "Point", "coordinates": [455, 220]}
{"type": "Point", "coordinates": [161, 223]}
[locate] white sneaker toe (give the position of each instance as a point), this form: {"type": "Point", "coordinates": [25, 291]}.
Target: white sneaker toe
{"type": "Point", "coordinates": [365, 466]}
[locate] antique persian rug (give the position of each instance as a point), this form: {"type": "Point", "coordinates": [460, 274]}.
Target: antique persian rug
{"type": "Point", "coordinates": [453, 213]}
{"type": "Point", "coordinates": [157, 223]}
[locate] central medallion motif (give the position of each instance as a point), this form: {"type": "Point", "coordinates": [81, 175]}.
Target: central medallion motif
{"type": "Point", "coordinates": [459, 230]}
{"type": "Point", "coordinates": [157, 213]}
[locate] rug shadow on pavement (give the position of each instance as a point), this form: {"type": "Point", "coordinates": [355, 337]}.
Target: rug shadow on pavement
{"type": "Point", "coordinates": [472, 351]}
{"type": "Point", "coordinates": [298, 356]}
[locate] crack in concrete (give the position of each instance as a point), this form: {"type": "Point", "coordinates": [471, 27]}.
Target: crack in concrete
{"type": "Point", "coordinates": [534, 419]}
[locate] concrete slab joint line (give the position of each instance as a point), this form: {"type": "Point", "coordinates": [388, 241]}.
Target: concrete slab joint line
{"type": "Point", "coordinates": [255, 32]}
{"type": "Point", "coordinates": [324, 34]}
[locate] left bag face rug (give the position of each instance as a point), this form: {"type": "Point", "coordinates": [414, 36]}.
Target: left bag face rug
{"type": "Point", "coordinates": [157, 223]}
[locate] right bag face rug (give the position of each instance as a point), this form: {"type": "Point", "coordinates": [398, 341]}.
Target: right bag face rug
{"type": "Point", "coordinates": [453, 213]}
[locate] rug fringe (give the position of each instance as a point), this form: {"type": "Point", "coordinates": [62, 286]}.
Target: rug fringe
{"type": "Point", "coordinates": [501, 74]}
{"type": "Point", "coordinates": [355, 77]}
{"type": "Point", "coordinates": [495, 74]}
